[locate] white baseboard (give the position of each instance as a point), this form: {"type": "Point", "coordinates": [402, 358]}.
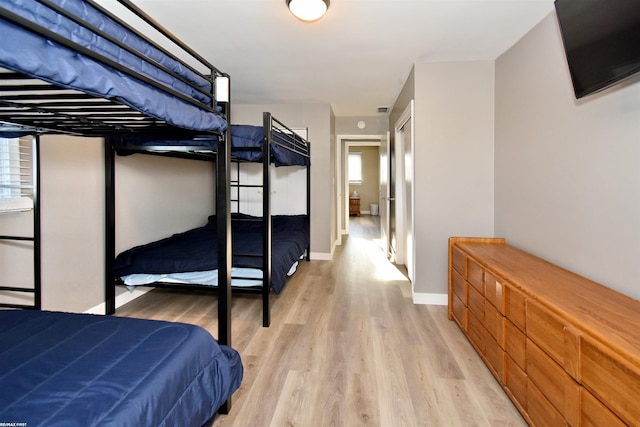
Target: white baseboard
{"type": "Point", "coordinates": [321, 256]}
{"type": "Point", "coordinates": [121, 299]}
{"type": "Point", "coordinates": [430, 299]}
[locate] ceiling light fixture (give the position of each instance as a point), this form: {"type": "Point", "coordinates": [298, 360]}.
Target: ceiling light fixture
{"type": "Point", "coordinates": [308, 10]}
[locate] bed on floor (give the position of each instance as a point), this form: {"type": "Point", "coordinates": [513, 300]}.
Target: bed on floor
{"type": "Point", "coordinates": [90, 370]}
{"type": "Point", "coordinates": [72, 67]}
{"type": "Point", "coordinates": [266, 248]}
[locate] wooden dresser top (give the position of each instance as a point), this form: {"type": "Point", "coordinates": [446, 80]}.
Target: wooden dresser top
{"type": "Point", "coordinates": [605, 314]}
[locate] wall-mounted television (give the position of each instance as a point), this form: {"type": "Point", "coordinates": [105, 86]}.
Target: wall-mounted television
{"type": "Point", "coordinates": [602, 41]}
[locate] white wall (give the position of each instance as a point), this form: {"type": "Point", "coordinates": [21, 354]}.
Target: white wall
{"type": "Point", "coordinates": [453, 162]}
{"type": "Point", "coordinates": [567, 171]}
{"type": "Point", "coordinates": [72, 208]}
{"type": "Point", "coordinates": [159, 196]}
{"type": "Point", "coordinates": [373, 125]}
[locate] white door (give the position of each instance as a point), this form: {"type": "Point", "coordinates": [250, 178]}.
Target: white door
{"type": "Point", "coordinates": [384, 193]}
{"type": "Point", "coordinates": [404, 146]}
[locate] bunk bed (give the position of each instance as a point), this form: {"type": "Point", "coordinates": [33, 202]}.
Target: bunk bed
{"type": "Point", "coordinates": [266, 249]}
{"type": "Point", "coordinates": [72, 67]}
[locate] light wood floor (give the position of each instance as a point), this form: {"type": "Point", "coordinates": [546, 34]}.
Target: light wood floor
{"type": "Point", "coordinates": [346, 347]}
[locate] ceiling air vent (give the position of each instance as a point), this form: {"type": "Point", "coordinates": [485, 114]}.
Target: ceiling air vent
{"type": "Point", "coordinates": [383, 109]}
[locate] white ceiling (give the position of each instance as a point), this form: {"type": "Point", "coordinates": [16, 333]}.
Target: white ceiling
{"type": "Point", "coordinates": [356, 58]}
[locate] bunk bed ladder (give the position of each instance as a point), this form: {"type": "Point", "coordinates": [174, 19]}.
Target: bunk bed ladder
{"type": "Point", "coordinates": [35, 238]}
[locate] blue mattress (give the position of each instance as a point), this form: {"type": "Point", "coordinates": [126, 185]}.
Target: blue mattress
{"type": "Point", "coordinates": [246, 144]}
{"type": "Point", "coordinates": [62, 369]}
{"type": "Point", "coordinates": [196, 249]}
{"type": "Point", "coordinates": [29, 53]}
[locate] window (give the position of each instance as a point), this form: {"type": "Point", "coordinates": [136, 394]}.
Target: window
{"type": "Point", "coordinates": [15, 175]}
{"type": "Point", "coordinates": [355, 168]}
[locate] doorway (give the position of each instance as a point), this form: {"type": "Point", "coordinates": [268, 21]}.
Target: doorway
{"type": "Point", "coordinates": [347, 144]}
{"type": "Point", "coordinates": [396, 189]}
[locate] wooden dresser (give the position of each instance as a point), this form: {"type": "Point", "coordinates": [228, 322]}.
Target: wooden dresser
{"type": "Point", "coordinates": [565, 349]}
{"type": "Point", "coordinates": [354, 206]}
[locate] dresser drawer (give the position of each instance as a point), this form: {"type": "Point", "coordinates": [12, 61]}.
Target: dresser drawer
{"type": "Point", "coordinates": [460, 287]}
{"type": "Point", "coordinates": [541, 412]}
{"type": "Point", "coordinates": [459, 311]}
{"type": "Point", "coordinates": [476, 303]}
{"type": "Point", "coordinates": [515, 306]}
{"type": "Point", "coordinates": [614, 382]}
{"type": "Point", "coordinates": [558, 339]}
{"type": "Point", "coordinates": [515, 380]}
{"type": "Point", "coordinates": [476, 332]}
{"type": "Point", "coordinates": [493, 291]}
{"type": "Point", "coordinates": [495, 358]}
{"type": "Point", "coordinates": [494, 322]}
{"type": "Point", "coordinates": [475, 275]}
{"type": "Point", "coordinates": [515, 344]}
{"type": "Point", "coordinates": [459, 261]}
{"type": "Point", "coordinates": [558, 387]}
{"type": "Point", "coordinates": [594, 414]}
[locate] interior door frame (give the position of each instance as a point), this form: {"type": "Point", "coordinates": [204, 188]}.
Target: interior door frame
{"type": "Point", "coordinates": [343, 142]}
{"type": "Point", "coordinates": [385, 150]}
{"type": "Point", "coordinates": [405, 197]}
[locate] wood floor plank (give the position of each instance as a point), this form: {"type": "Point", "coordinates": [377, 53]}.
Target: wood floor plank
{"type": "Point", "coordinates": [346, 347]}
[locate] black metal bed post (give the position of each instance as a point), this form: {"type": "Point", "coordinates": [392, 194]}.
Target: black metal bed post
{"type": "Point", "coordinates": [223, 215]}
{"type": "Point", "coordinates": [37, 221]}
{"type": "Point", "coordinates": [223, 218]}
{"type": "Point", "coordinates": [308, 257]}
{"type": "Point", "coordinates": [266, 218]}
{"type": "Point", "coordinates": [109, 227]}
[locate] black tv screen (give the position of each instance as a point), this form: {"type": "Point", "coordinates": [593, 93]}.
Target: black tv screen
{"type": "Point", "coordinates": [602, 41]}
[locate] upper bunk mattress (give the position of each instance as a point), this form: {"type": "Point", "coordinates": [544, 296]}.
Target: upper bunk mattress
{"type": "Point", "coordinates": [34, 55]}
{"type": "Point", "coordinates": [246, 144]}
{"type": "Point", "coordinates": [87, 370]}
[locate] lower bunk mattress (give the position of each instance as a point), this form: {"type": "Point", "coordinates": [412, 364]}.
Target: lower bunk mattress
{"type": "Point", "coordinates": [88, 370]}
{"type": "Point", "coordinates": [194, 253]}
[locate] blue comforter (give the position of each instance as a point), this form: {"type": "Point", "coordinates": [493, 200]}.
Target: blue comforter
{"type": "Point", "coordinates": [81, 370]}
{"type": "Point", "coordinates": [196, 249]}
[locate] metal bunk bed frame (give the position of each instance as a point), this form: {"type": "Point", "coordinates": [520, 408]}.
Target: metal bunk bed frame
{"type": "Point", "coordinates": [265, 289]}
{"type": "Point", "coordinates": [39, 107]}
{"type": "Point", "coordinates": [234, 183]}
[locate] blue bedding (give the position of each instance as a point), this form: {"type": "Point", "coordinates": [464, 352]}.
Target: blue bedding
{"type": "Point", "coordinates": [31, 54]}
{"type": "Point", "coordinates": [283, 151]}
{"type": "Point", "coordinates": [196, 249]}
{"type": "Point", "coordinates": [246, 144]}
{"type": "Point", "coordinates": [62, 369]}
{"type": "Point", "coordinates": [248, 140]}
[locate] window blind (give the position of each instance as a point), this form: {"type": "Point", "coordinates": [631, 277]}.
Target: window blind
{"type": "Point", "coordinates": [16, 177]}
{"type": "Point", "coordinates": [355, 168]}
